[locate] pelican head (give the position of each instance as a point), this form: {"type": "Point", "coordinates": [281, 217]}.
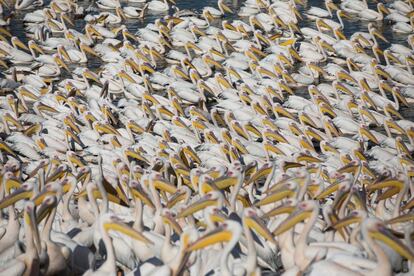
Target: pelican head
{"type": "Point", "coordinates": [375, 229]}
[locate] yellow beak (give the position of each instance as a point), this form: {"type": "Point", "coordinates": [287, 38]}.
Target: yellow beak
{"type": "Point", "coordinates": [216, 236]}
{"type": "Point", "coordinates": [197, 206]}
{"type": "Point", "coordinates": [125, 229]}
{"type": "Point", "coordinates": [296, 217]}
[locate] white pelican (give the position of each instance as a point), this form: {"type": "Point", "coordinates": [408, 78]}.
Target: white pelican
{"type": "Point", "coordinates": [216, 13]}
{"type": "Point", "coordinates": [403, 27]}
{"type": "Point", "coordinates": [316, 12]}
{"type": "Point", "coordinates": [76, 56]}
{"type": "Point", "coordinates": [159, 6]}
{"type": "Point", "coordinates": [371, 15]}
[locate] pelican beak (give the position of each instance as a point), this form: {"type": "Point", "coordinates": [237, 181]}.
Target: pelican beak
{"type": "Point", "coordinates": [384, 9]}
{"type": "Point", "coordinates": [127, 35]}
{"type": "Point", "coordinates": [201, 33]}
{"type": "Point", "coordinates": [140, 194]}
{"type": "Point", "coordinates": [340, 34]}
{"type": "Point", "coordinates": [352, 218]}
{"type": "Point", "coordinates": [317, 68]}
{"type": "Point", "coordinates": [224, 182]}
{"type": "Point", "coordinates": [175, 198]}
{"type": "Point", "coordinates": [29, 217]}
{"type": "Point", "coordinates": [97, 195]}
{"type": "Point", "coordinates": [393, 111]}
{"type": "Point", "coordinates": [384, 235]}
{"type": "Point", "coordinates": [283, 209]}
{"type": "Point", "coordinates": [332, 6]}
{"type": "Point", "coordinates": [11, 182]}
{"type": "Point", "coordinates": [193, 46]}
{"type": "Point", "coordinates": [145, 67]}
{"type": "Point", "coordinates": [379, 35]}
{"type": "Point", "coordinates": [89, 50]}
{"type": "Point", "coordinates": [211, 61]}
{"type": "Point", "coordinates": [276, 196]}
{"type": "Point", "coordinates": [163, 185]}
{"type": "Point", "coordinates": [225, 8]}
{"type": "Point", "coordinates": [345, 76]}
{"type": "Point", "coordinates": [327, 46]}
{"type": "Point", "coordinates": [294, 27]}
{"type": "Point", "coordinates": [390, 183]}
{"type": "Point", "coordinates": [400, 97]}
{"type": "Point", "coordinates": [19, 43]}
{"type": "Point", "coordinates": [68, 20]}
{"type": "Point", "coordinates": [156, 53]}
{"type": "Point", "coordinates": [218, 217]}
{"type": "Point", "coordinates": [92, 76]}
{"type": "Point", "coordinates": [322, 23]}
{"type": "Point", "coordinates": [126, 76]}
{"type": "Point", "coordinates": [294, 218]}
{"type": "Point", "coordinates": [24, 192]}
{"type": "Point", "coordinates": [120, 13]}
{"type": "Point", "coordinates": [214, 52]}
{"type": "Point", "coordinates": [36, 47]}
{"type": "Point", "coordinates": [92, 30]}
{"type": "Point", "coordinates": [346, 15]}
{"type": "Point", "coordinates": [291, 165]}
{"type": "Point", "coordinates": [288, 77]}
{"type": "Point", "coordinates": [44, 209]}
{"type": "Point", "coordinates": [368, 134]}
{"type": "Point", "coordinates": [392, 57]}
{"type": "Point", "coordinates": [4, 64]}
{"type": "Point", "coordinates": [296, 12]}
{"type": "Point", "coordinates": [381, 72]}
{"type": "Point", "coordinates": [170, 220]}
{"type": "Point", "coordinates": [255, 223]}
{"type": "Point", "coordinates": [125, 229]}
{"type": "Point", "coordinates": [348, 168]}
{"type": "Point", "coordinates": [394, 125]}
{"type": "Point", "coordinates": [401, 219]}
{"type": "Point", "coordinates": [61, 63]}
{"type": "Point", "coordinates": [329, 190]}
{"type": "Point", "coordinates": [209, 16]}
{"type": "Point", "coordinates": [197, 206]}
{"type": "Point", "coordinates": [218, 235]}
{"type": "Point", "coordinates": [257, 23]}
{"type": "Point", "coordinates": [165, 32]}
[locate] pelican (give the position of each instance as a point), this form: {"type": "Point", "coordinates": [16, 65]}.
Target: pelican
{"type": "Point", "coordinates": [110, 222]}
{"type": "Point", "coordinates": [316, 12]}
{"type": "Point", "coordinates": [75, 56]}
{"type": "Point", "coordinates": [371, 15]}
{"type": "Point", "coordinates": [216, 13]}
{"type": "Point", "coordinates": [159, 6]}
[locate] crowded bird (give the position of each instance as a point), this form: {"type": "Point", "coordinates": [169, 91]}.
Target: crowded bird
{"type": "Point", "coordinates": [229, 137]}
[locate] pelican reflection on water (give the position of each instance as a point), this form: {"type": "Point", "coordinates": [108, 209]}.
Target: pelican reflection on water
{"type": "Point", "coordinates": [243, 138]}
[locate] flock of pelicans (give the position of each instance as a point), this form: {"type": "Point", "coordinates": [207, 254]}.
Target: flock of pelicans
{"type": "Point", "coordinates": [225, 142]}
